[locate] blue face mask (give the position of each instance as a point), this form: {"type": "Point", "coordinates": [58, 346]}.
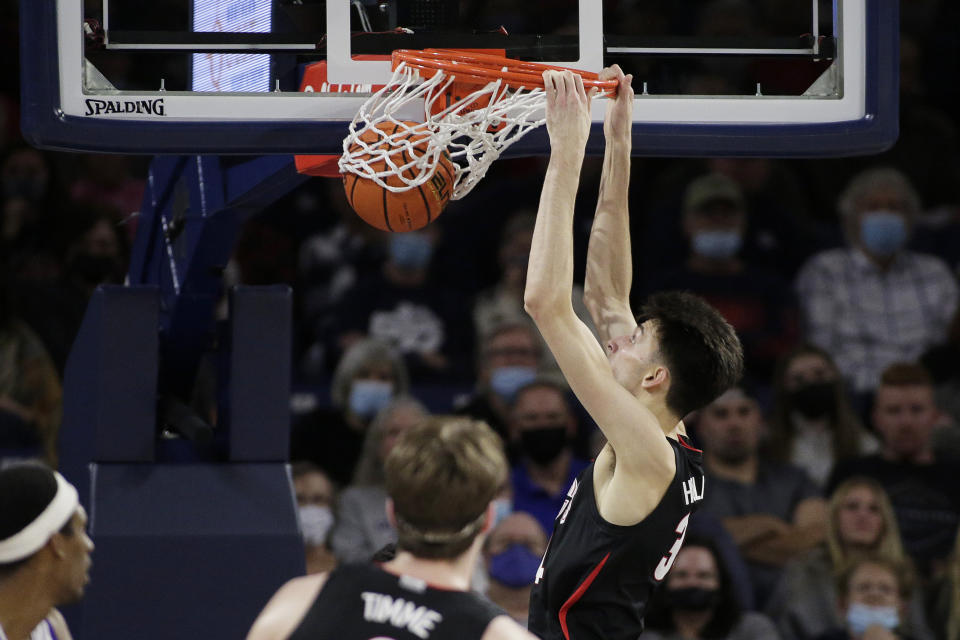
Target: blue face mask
{"type": "Point", "coordinates": [718, 245]}
{"type": "Point", "coordinates": [861, 616]}
{"type": "Point", "coordinates": [516, 566]}
{"type": "Point", "coordinates": [367, 397]}
{"type": "Point", "coordinates": [410, 250]}
{"type": "Point", "coordinates": [502, 507]}
{"type": "Point", "coordinates": [883, 232]}
{"type": "Point", "coordinates": [506, 381]}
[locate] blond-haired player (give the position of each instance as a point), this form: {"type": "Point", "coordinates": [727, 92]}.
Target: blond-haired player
{"type": "Point", "coordinates": [441, 478]}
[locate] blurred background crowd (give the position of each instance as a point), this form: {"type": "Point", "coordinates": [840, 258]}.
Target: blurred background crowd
{"type": "Point", "coordinates": [831, 510]}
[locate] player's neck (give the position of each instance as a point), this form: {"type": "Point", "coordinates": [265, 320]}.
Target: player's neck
{"type": "Point", "coordinates": [24, 603]}
{"type": "Point", "coordinates": [667, 420]}
{"type": "Point", "coordinates": [453, 574]}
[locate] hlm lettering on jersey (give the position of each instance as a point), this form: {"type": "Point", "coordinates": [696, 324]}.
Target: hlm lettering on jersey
{"type": "Point", "coordinates": [690, 493]}
{"type": "Point", "coordinates": [379, 607]}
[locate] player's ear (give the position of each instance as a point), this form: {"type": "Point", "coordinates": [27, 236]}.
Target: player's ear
{"type": "Point", "coordinates": [391, 514]}
{"type": "Point", "coordinates": [489, 517]}
{"type": "Point", "coordinates": [57, 544]}
{"type": "Point", "coordinates": [655, 378]}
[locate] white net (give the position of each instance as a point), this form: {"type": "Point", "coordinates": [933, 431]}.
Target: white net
{"type": "Point", "coordinates": [472, 130]}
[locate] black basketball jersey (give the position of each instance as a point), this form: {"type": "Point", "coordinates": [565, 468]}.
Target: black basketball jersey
{"type": "Point", "coordinates": [362, 601]}
{"type": "Point", "coordinates": [596, 577]}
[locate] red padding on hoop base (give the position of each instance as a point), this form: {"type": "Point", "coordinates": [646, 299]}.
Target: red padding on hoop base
{"type": "Point", "coordinates": [314, 79]}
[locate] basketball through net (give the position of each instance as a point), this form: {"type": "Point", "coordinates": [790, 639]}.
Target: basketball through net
{"type": "Point", "coordinates": [475, 106]}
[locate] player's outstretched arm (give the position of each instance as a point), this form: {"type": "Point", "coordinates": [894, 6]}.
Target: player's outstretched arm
{"type": "Point", "coordinates": [286, 608]}
{"type": "Point", "coordinates": [609, 264]}
{"type": "Point", "coordinates": [632, 430]}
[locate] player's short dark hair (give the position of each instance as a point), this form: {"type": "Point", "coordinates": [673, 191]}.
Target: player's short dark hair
{"type": "Point", "coordinates": [700, 348]}
{"type": "Point", "coordinates": [26, 489]}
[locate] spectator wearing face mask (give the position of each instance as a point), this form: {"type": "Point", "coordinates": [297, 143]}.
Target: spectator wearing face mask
{"type": "Point", "coordinates": [512, 554]}
{"type": "Point", "coordinates": [427, 323]}
{"type": "Point", "coordinates": [874, 302]}
{"type": "Point", "coordinates": [812, 423]}
{"type": "Point", "coordinates": [542, 427]}
{"type": "Point", "coordinates": [860, 523]}
{"type": "Point", "coordinates": [315, 499]}
{"type": "Point", "coordinates": [363, 525]}
{"type": "Point", "coordinates": [697, 601]}
{"type": "Point", "coordinates": [772, 510]}
{"type": "Point", "coordinates": [508, 359]}
{"type": "Point", "coordinates": [367, 377]}
{"type": "Point", "coordinates": [757, 302]}
{"type": "Point", "coordinates": [872, 596]}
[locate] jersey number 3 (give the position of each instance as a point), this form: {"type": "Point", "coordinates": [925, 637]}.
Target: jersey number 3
{"type": "Point", "coordinates": [663, 567]}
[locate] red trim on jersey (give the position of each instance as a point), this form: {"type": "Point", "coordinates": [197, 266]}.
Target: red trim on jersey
{"type": "Point", "coordinates": [582, 589]}
{"type": "Point", "coordinates": [683, 443]}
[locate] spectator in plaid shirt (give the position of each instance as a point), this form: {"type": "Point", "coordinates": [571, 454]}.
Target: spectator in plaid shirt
{"type": "Point", "coordinates": [873, 302]}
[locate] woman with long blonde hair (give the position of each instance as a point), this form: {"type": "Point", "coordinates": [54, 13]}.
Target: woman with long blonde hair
{"type": "Point", "coordinates": [860, 522]}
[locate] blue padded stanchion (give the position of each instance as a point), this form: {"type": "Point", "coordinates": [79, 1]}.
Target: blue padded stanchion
{"type": "Point", "coordinates": [187, 551]}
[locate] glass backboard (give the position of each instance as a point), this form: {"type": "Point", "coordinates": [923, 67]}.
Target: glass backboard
{"type": "Point", "coordinates": [223, 76]}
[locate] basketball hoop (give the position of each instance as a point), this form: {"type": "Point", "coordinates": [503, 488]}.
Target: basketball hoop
{"type": "Point", "coordinates": [475, 106]}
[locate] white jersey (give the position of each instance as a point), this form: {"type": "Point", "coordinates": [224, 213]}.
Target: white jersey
{"type": "Point", "coordinates": [43, 631]}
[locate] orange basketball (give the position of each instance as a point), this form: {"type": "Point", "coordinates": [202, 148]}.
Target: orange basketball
{"type": "Point", "coordinates": [404, 210]}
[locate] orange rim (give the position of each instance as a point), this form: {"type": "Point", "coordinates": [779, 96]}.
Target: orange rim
{"type": "Point", "coordinates": [481, 68]}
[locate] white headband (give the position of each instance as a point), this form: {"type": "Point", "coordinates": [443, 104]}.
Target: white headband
{"type": "Point", "coordinates": [32, 537]}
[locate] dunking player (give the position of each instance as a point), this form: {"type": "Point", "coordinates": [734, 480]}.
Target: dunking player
{"type": "Point", "coordinates": [441, 478]}
{"type": "Point", "coordinates": [44, 552]}
{"type": "Point", "coordinates": [625, 516]}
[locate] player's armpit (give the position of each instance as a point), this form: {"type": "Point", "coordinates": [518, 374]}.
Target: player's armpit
{"type": "Point", "coordinates": [504, 628]}
{"type": "Point", "coordinates": [287, 608]}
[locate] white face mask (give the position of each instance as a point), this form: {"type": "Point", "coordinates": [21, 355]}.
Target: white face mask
{"type": "Point", "coordinates": [315, 523]}
{"type": "Point", "coordinates": [861, 616]}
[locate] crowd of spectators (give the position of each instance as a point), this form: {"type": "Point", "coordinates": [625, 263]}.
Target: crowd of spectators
{"type": "Point", "coordinates": [830, 508]}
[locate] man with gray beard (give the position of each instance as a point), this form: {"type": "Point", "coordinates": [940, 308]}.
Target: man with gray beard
{"type": "Point", "coordinates": [773, 511]}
